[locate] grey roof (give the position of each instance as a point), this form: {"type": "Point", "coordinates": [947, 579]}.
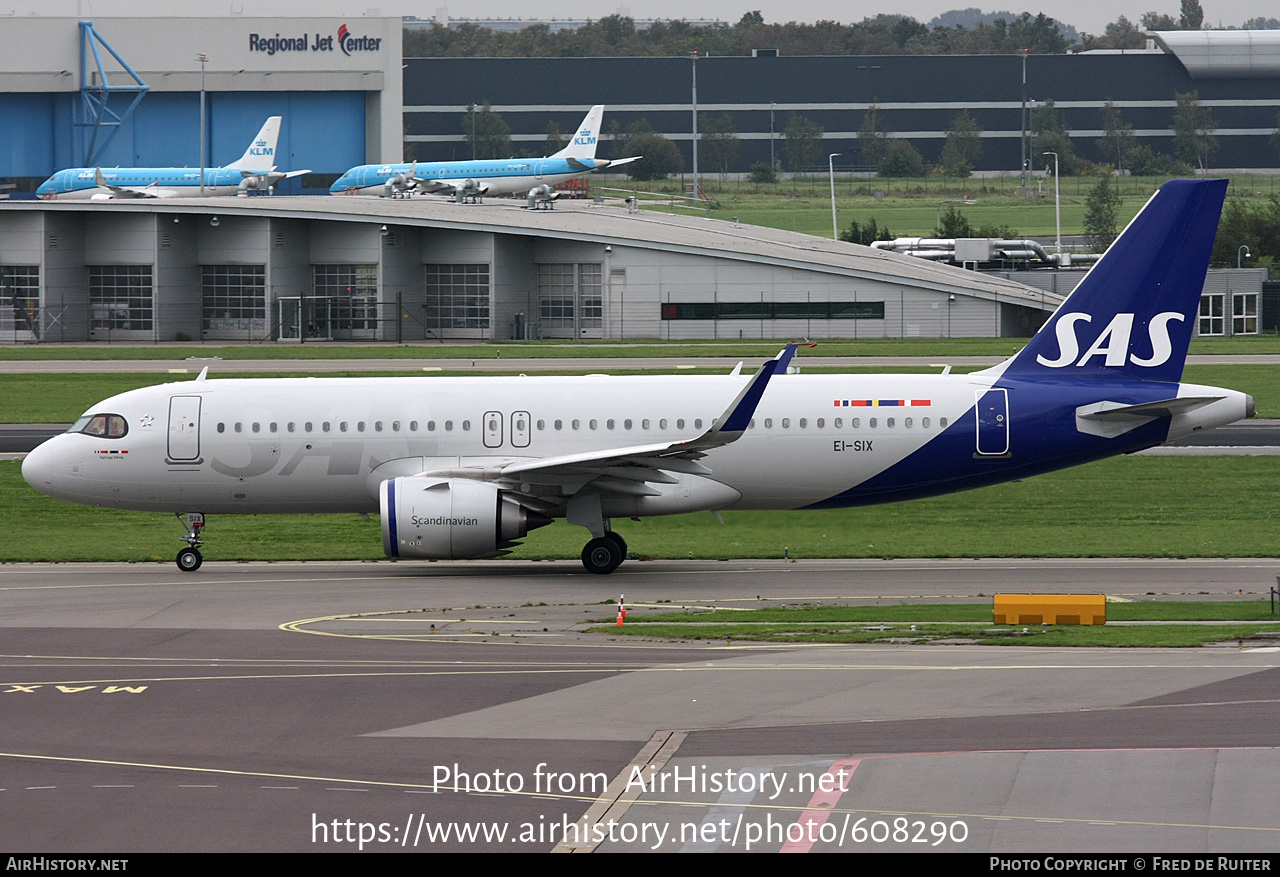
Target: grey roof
{"type": "Point", "coordinates": [718, 238]}
{"type": "Point", "coordinates": [1216, 54]}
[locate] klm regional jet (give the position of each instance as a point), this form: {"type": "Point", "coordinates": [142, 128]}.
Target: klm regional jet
{"type": "Point", "coordinates": [464, 467]}
{"type": "Point", "coordinates": [254, 171]}
{"type": "Point", "coordinates": [470, 180]}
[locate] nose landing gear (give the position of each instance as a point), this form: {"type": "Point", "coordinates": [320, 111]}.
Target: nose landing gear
{"type": "Point", "coordinates": [189, 558]}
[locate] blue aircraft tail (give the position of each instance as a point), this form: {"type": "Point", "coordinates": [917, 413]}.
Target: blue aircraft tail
{"type": "Point", "coordinates": [1133, 314]}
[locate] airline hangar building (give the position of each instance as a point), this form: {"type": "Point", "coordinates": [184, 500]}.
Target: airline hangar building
{"type": "Point", "coordinates": [337, 84]}
{"type": "Point", "coordinates": [320, 268]}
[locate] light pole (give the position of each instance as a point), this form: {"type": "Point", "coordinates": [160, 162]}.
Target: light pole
{"type": "Point", "coordinates": [1241, 254]}
{"type": "Point", "coordinates": [1057, 203]}
{"type": "Point", "coordinates": [693, 58]}
{"type": "Point", "coordinates": [831, 172]}
{"type": "Point", "coordinates": [203, 58]}
{"type": "Point", "coordinates": [1024, 120]}
{"type": "Point", "coordinates": [937, 228]}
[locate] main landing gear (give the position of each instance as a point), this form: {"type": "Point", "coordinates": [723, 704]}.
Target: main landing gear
{"type": "Point", "coordinates": [606, 550]}
{"type": "Point", "coordinates": [189, 558]}
{"type": "Point", "coordinates": [604, 555]}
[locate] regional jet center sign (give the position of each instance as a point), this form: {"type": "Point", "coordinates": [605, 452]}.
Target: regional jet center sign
{"type": "Point", "coordinates": [343, 41]}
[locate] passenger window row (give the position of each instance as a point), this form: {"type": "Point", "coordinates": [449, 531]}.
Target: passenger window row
{"type": "Point", "coordinates": [854, 423]}
{"type": "Point", "coordinates": [627, 424]}
{"type": "Point", "coordinates": [116, 425]}
{"type": "Point", "coordinates": [344, 426]}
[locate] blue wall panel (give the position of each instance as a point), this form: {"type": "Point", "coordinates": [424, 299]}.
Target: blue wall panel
{"type": "Point", "coordinates": [26, 134]}
{"type": "Point", "coordinates": [166, 131]}
{"type": "Point", "coordinates": [328, 131]}
{"type": "Point", "coordinates": [321, 131]}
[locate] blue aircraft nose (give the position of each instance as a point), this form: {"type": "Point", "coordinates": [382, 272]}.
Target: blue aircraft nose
{"type": "Point", "coordinates": [45, 188]}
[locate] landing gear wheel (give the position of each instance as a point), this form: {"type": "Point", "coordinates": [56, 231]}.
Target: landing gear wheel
{"type": "Point", "coordinates": [602, 556]}
{"type": "Point", "coordinates": [189, 559]}
{"type": "Point", "coordinates": [622, 543]}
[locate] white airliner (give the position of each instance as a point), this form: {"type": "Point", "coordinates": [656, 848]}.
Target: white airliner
{"type": "Point", "coordinates": [464, 467]}
{"type": "Point", "coordinates": [253, 171]}
{"type": "Point", "coordinates": [469, 180]}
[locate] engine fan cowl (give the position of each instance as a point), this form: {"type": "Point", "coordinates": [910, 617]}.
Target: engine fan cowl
{"type": "Point", "coordinates": [450, 518]}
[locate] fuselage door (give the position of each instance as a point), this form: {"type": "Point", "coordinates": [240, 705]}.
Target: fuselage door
{"type": "Point", "coordinates": [184, 427]}
{"type": "Point", "coordinates": [493, 429]}
{"type": "Point", "coordinates": [993, 422]}
{"type": "Point", "coordinates": [537, 170]}
{"type": "Point", "coordinates": [520, 429]}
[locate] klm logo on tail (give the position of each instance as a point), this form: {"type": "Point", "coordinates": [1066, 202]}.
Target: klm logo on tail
{"type": "Point", "coordinates": [584, 138]}
{"type": "Point", "coordinates": [260, 147]}
{"type": "Point", "coordinates": [1113, 343]}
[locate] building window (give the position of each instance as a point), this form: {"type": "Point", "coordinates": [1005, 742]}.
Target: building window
{"type": "Point", "coordinates": [234, 299]}
{"type": "Point", "coordinates": [120, 297]}
{"type": "Point", "coordinates": [20, 301]}
{"type": "Point", "coordinates": [1211, 306]}
{"type": "Point", "coordinates": [344, 301]}
{"type": "Point", "coordinates": [458, 295]}
{"type": "Point", "coordinates": [1244, 313]}
{"type": "Point", "coordinates": [771, 310]}
{"type": "Point", "coordinates": [570, 299]}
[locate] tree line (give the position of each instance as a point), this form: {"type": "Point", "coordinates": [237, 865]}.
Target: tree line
{"type": "Point", "coordinates": [617, 36]}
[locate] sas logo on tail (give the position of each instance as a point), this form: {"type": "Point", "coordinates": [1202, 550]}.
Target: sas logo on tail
{"type": "Point", "coordinates": [1113, 343]}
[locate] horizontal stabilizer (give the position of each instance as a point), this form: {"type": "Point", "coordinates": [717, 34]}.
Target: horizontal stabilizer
{"type": "Point", "coordinates": [1111, 419]}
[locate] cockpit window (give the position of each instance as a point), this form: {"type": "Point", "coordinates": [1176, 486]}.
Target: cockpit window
{"type": "Point", "coordinates": [111, 426]}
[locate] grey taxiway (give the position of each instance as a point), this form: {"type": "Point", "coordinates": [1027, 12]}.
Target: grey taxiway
{"type": "Point", "coordinates": [395, 706]}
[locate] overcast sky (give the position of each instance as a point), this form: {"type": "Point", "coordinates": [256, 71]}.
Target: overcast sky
{"type": "Point", "coordinates": [1086, 15]}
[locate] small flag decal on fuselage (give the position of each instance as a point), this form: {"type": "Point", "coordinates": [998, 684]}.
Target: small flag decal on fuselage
{"type": "Point", "coordinates": [882, 403]}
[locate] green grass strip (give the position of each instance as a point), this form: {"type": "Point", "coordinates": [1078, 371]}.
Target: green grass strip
{"type": "Point", "coordinates": [1122, 507]}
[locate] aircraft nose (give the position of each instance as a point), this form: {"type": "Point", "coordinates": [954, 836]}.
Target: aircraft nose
{"type": "Point", "coordinates": [37, 467]}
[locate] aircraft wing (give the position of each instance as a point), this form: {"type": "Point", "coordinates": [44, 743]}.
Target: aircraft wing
{"type": "Point", "coordinates": [151, 190]}
{"type": "Point", "coordinates": [434, 187]}
{"type": "Point", "coordinates": [625, 470]}
{"type": "Point", "coordinates": [273, 176]}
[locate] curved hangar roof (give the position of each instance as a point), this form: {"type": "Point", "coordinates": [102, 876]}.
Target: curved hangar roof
{"type": "Point", "coordinates": [606, 225]}
{"type": "Point", "coordinates": [1224, 54]}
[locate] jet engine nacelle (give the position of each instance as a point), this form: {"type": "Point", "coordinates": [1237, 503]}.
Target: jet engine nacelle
{"type": "Point", "coordinates": [450, 518]}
